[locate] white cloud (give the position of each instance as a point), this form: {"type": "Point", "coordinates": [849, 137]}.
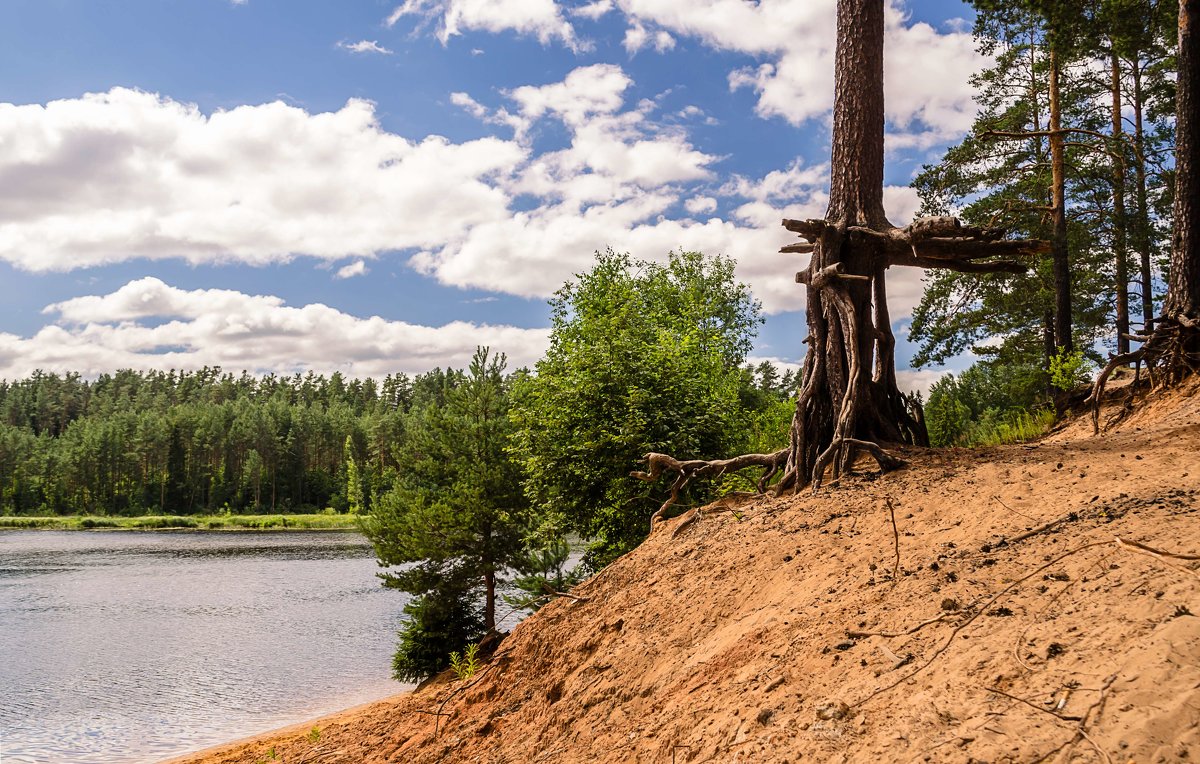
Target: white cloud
{"type": "Point", "coordinates": [585, 93]}
{"type": "Point", "coordinates": [635, 38]}
{"type": "Point", "coordinates": [147, 324]}
{"type": "Point", "coordinates": [364, 46]}
{"type": "Point", "coordinates": [794, 41]}
{"type": "Point", "coordinates": [918, 381]}
{"type": "Point", "coordinates": [125, 174]}
{"type": "Point", "coordinates": [356, 268]}
{"type": "Point", "coordinates": [539, 18]}
{"type": "Point", "coordinates": [593, 10]}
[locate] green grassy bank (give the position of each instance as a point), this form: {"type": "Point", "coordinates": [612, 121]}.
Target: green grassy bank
{"type": "Point", "coordinates": [195, 522]}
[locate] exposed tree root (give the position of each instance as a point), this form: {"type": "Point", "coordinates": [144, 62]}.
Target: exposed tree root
{"type": "Point", "coordinates": [658, 463]}
{"type": "Point", "coordinates": [848, 402]}
{"type": "Point", "coordinates": [1170, 354]}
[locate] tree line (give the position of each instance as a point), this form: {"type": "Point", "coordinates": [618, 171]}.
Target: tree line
{"type": "Point", "coordinates": [187, 443]}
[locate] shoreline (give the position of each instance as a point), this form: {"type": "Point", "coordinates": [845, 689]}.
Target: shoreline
{"type": "Point", "coordinates": [214, 754]}
{"type": "Point", "coordinates": [202, 523]}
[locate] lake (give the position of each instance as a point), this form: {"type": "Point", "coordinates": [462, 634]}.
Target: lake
{"type": "Point", "coordinates": [135, 646]}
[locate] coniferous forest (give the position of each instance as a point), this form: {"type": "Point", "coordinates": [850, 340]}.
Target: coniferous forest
{"type": "Point", "coordinates": [210, 441]}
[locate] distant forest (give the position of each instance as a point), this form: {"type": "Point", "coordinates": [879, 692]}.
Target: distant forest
{"type": "Point", "coordinates": [203, 442]}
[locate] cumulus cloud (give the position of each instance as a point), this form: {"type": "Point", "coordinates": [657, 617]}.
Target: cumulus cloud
{"type": "Point", "coordinates": [356, 268]}
{"type": "Point", "coordinates": [126, 174]}
{"type": "Point", "coordinates": [792, 41]}
{"type": "Point", "coordinates": [148, 324]}
{"type": "Point", "coordinates": [700, 205]}
{"type": "Point", "coordinates": [364, 46]}
{"type": "Point", "coordinates": [542, 19]}
{"type": "Point", "coordinates": [918, 381]}
{"type": "Point", "coordinates": [593, 10]}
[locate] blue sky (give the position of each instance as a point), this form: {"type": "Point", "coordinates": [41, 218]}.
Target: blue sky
{"type": "Point", "coordinates": [374, 186]}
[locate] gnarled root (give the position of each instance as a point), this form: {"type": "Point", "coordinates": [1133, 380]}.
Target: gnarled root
{"type": "Point", "coordinates": [659, 463]}
{"type": "Point", "coordinates": [886, 461]}
{"type": "Point", "coordinates": [1173, 350]}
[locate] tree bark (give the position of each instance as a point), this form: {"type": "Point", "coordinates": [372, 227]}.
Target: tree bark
{"type": "Point", "coordinates": [1174, 346]}
{"type": "Point", "coordinates": [1061, 261]}
{"type": "Point", "coordinates": [1120, 241]}
{"type": "Point", "coordinates": [840, 399]}
{"type": "Point", "coordinates": [848, 400]}
{"type": "Point", "coordinates": [489, 606]}
{"type": "Point", "coordinates": [1183, 285]}
{"type": "Point", "coordinates": [1141, 229]}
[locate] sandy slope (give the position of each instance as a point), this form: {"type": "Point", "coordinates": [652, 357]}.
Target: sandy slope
{"type": "Point", "coordinates": [727, 640]}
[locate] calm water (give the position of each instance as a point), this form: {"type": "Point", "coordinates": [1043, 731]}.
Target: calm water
{"type": "Point", "coordinates": [135, 646]}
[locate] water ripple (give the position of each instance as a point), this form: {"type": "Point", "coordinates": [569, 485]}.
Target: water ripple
{"type": "Point", "coordinates": [133, 647]}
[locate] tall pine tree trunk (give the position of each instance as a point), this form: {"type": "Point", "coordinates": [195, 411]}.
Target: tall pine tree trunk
{"type": "Point", "coordinates": [840, 399]}
{"type": "Point", "coordinates": [489, 604]}
{"type": "Point", "coordinates": [1183, 285]}
{"type": "Point", "coordinates": [848, 401]}
{"type": "Point", "coordinates": [1061, 261]}
{"type": "Point", "coordinates": [1174, 347]}
{"type": "Point", "coordinates": [1141, 228]}
{"type": "Point", "coordinates": [1120, 243]}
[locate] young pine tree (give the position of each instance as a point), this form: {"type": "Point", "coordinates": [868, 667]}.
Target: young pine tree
{"type": "Point", "coordinates": [455, 519]}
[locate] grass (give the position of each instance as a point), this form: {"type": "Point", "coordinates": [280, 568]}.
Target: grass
{"type": "Point", "coordinates": [1015, 429]}
{"type": "Point", "coordinates": [196, 522]}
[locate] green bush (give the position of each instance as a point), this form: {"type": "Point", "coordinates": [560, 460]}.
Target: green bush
{"type": "Point", "coordinates": [643, 357]}
{"type": "Point", "coordinates": [1069, 370]}
{"type": "Point", "coordinates": [988, 404]}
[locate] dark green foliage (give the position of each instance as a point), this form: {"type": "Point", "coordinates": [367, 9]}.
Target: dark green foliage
{"type": "Point", "coordinates": [971, 408]}
{"type": "Point", "coordinates": [136, 443]}
{"type": "Point", "coordinates": [442, 621]}
{"type": "Point", "coordinates": [1005, 181]}
{"type": "Point", "coordinates": [455, 518]}
{"type": "Point", "coordinates": [547, 570]}
{"type": "Point", "coordinates": [643, 357]}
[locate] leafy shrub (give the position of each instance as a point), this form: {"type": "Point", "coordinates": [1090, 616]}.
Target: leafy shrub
{"type": "Point", "coordinates": [1069, 370]}
{"type": "Point", "coordinates": [466, 663]}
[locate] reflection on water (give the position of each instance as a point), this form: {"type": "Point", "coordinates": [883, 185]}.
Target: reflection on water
{"type": "Point", "coordinates": [135, 646]}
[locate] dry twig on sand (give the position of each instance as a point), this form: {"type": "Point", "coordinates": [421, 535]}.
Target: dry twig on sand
{"type": "Point", "coordinates": [895, 540]}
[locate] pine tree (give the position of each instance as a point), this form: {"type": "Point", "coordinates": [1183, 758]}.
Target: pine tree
{"type": "Point", "coordinates": [456, 518]}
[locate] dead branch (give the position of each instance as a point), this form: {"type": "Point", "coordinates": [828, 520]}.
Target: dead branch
{"type": "Point", "coordinates": [1035, 707]}
{"type": "Point", "coordinates": [1160, 555]}
{"type": "Point", "coordinates": [809, 229]}
{"type": "Point", "coordinates": [906, 632]}
{"type": "Point", "coordinates": [691, 517]}
{"type": "Point", "coordinates": [886, 462]}
{"type": "Point", "coordinates": [962, 266]}
{"type": "Point", "coordinates": [687, 470]}
{"type": "Point", "coordinates": [895, 541]}
{"type": "Point", "coordinates": [551, 592]}
{"type": "Point", "coordinates": [1081, 727]}
{"type": "Point", "coordinates": [1010, 509]}
{"type": "Point", "coordinates": [1169, 351]}
{"type": "Point", "coordinates": [1043, 528]}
